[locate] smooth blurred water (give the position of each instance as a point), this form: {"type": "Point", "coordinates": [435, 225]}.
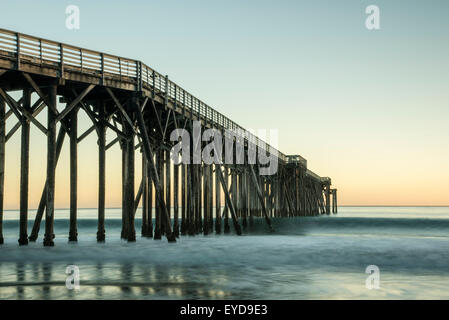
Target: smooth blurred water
{"type": "Point", "coordinates": [305, 258]}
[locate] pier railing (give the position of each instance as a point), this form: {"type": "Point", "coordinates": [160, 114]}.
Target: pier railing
{"type": "Point", "coordinates": [104, 65]}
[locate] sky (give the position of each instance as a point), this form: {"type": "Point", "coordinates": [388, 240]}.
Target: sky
{"type": "Point", "coordinates": [368, 108]}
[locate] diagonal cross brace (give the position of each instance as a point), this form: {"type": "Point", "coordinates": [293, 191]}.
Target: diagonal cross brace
{"type": "Point", "coordinates": [74, 103]}
{"type": "Point", "coordinates": [25, 113]}
{"type": "Point", "coordinates": [156, 182]}
{"type": "Point", "coordinates": [40, 93]}
{"type": "Point", "coordinates": [229, 203]}
{"type": "Point", "coordinates": [260, 196]}
{"type": "Point", "coordinates": [43, 201]}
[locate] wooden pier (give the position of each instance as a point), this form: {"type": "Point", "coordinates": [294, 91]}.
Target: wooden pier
{"type": "Point", "coordinates": [142, 108]}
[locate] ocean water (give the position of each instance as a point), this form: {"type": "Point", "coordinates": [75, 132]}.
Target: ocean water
{"type": "Point", "coordinates": [321, 257]}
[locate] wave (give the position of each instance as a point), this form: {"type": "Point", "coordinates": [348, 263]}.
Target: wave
{"type": "Point", "coordinates": [296, 225]}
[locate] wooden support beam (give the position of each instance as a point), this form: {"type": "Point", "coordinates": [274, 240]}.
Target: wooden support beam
{"type": "Point", "coordinates": [101, 130]}
{"type": "Point", "coordinates": [112, 143]}
{"type": "Point", "coordinates": [104, 121]}
{"type": "Point", "coordinates": [198, 190]}
{"type": "Point", "coordinates": [92, 116]}
{"type": "Point", "coordinates": [210, 198]}
{"type": "Point", "coordinates": [296, 179]}
{"type": "Point", "coordinates": [176, 199]}
{"type": "Point", "coordinates": [73, 134]}
{"type": "Point", "coordinates": [149, 155]}
{"type": "Point", "coordinates": [11, 103]}
{"type": "Point", "coordinates": [261, 198]}
{"type": "Point", "coordinates": [138, 197]}
{"type": "Point", "coordinates": [2, 163]}
{"type": "Point", "coordinates": [158, 194]}
{"type": "Point", "coordinates": [51, 167]}
{"type": "Point", "coordinates": [334, 201]}
{"type": "Point", "coordinates": [167, 186]}
{"type": "Point", "coordinates": [122, 109]}
{"type": "Point", "coordinates": [289, 201]}
{"type": "Point", "coordinates": [8, 114]}
{"type": "Point", "coordinates": [144, 104]}
{"type": "Point", "coordinates": [226, 228]}
{"type": "Point", "coordinates": [149, 231]}
{"type": "Point", "coordinates": [25, 112]}
{"type": "Point", "coordinates": [75, 102]}
{"type": "Point", "coordinates": [229, 203]}
{"type": "Point", "coordinates": [205, 204]}
{"type": "Point", "coordinates": [194, 188]}
{"type": "Point", "coordinates": [217, 201]}
{"type": "Point", "coordinates": [129, 182]}
{"type": "Point", "coordinates": [43, 200]}
{"type": "Point", "coordinates": [86, 133]}
{"type": "Point", "coordinates": [46, 98]}
{"type": "Point", "coordinates": [36, 109]}
{"type": "Point", "coordinates": [119, 133]}
{"type": "Point", "coordinates": [167, 121]}
{"type": "Point", "coordinates": [24, 170]}
{"type": "Point", "coordinates": [125, 224]}
{"type": "Point", "coordinates": [183, 200]}
{"type": "Point", "coordinates": [144, 185]}
{"type": "Point", "coordinates": [158, 119]}
{"type": "Point", "coordinates": [328, 200]}
{"type": "Point", "coordinates": [242, 199]}
{"type": "Point", "coordinates": [190, 201]}
{"type": "Point", "coordinates": [234, 195]}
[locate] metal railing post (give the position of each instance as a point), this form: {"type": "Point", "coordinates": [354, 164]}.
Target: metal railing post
{"type": "Point", "coordinates": [61, 60]}
{"type": "Point", "coordinates": [18, 50]}
{"type": "Point", "coordinates": [102, 68]}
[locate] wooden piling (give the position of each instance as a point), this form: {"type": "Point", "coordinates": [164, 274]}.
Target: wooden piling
{"type": "Point", "coordinates": [157, 227]}
{"type": "Point", "coordinates": [328, 198]}
{"type": "Point", "coordinates": [205, 199]}
{"type": "Point", "coordinates": [243, 199]}
{"type": "Point", "coordinates": [129, 183]}
{"type": "Point", "coordinates": [73, 133]}
{"type": "Point", "coordinates": [161, 175]}
{"type": "Point", "coordinates": [199, 189]}
{"type": "Point", "coordinates": [144, 229]}
{"type": "Point", "coordinates": [24, 169]}
{"type": "Point", "coordinates": [190, 200]}
{"type": "Point", "coordinates": [234, 195]}
{"type": "Point", "coordinates": [217, 201]}
{"type": "Point", "coordinates": [125, 224]}
{"type": "Point", "coordinates": [51, 167]}
{"type": "Point", "coordinates": [226, 228]}
{"type": "Point", "coordinates": [210, 197]}
{"type": "Point", "coordinates": [334, 201]}
{"type": "Point", "coordinates": [183, 200]}
{"type": "Point", "coordinates": [149, 229]}
{"type": "Point", "coordinates": [43, 201]}
{"type": "Point", "coordinates": [167, 188]}
{"type": "Point", "coordinates": [102, 173]}
{"type": "Point", "coordinates": [176, 200]}
{"type": "Point", "coordinates": [2, 163]}
{"type": "Point", "coordinates": [196, 193]}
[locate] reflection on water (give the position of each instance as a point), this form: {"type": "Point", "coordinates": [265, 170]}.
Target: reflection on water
{"type": "Point", "coordinates": [113, 281]}
{"type": "Point", "coordinates": [308, 258]}
{"type": "Point", "coordinates": [125, 281]}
